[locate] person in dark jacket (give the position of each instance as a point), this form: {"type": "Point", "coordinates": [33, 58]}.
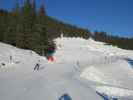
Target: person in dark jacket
{"type": "Point", "coordinates": [37, 66]}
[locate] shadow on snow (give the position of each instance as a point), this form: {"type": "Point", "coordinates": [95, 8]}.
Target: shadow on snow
{"type": "Point", "coordinates": [65, 97]}
{"type": "Point", "coordinates": [130, 61]}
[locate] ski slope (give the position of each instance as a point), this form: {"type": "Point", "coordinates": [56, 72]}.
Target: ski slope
{"type": "Point", "coordinates": [82, 70]}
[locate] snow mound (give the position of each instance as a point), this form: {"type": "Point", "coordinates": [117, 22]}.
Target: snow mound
{"type": "Point", "coordinates": [98, 62]}
{"type": "Point", "coordinates": [91, 45]}
{"type": "Point", "coordinates": [93, 74]}
{"type": "Point", "coordinates": [11, 56]}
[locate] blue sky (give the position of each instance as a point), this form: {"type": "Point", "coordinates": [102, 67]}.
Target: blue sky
{"type": "Point", "coordinates": [112, 16]}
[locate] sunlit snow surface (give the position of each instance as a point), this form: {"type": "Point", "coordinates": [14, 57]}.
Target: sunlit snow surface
{"type": "Point", "coordinates": [83, 70]}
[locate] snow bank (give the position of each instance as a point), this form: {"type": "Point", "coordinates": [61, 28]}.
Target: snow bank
{"type": "Point", "coordinates": [115, 91]}
{"type": "Point", "coordinates": [93, 74]}
{"type": "Point", "coordinates": [11, 56]}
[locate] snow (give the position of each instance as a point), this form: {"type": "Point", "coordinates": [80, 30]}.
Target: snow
{"type": "Point", "coordinates": [82, 69]}
{"type": "Point", "coordinates": [91, 73]}
{"type": "Point", "coordinates": [115, 91]}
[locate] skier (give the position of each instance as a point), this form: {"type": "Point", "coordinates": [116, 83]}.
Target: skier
{"type": "Point", "coordinates": [10, 59]}
{"type": "Point", "coordinates": [51, 51]}
{"type": "Point", "coordinates": [37, 66]}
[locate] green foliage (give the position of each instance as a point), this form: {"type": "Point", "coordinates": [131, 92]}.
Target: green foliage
{"type": "Point", "coordinates": [55, 28]}
{"type": "Point", "coordinates": [125, 43]}
{"type": "Point", "coordinates": [24, 28]}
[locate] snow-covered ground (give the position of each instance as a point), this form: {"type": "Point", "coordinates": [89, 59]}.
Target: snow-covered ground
{"type": "Point", "coordinates": [82, 70]}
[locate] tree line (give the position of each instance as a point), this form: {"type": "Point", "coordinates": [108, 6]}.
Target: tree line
{"type": "Point", "coordinates": [121, 42]}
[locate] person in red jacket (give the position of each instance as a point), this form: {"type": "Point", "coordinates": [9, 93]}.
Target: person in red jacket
{"type": "Point", "coordinates": [51, 51]}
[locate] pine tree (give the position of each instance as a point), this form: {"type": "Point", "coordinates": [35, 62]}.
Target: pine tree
{"type": "Point", "coordinates": [41, 31]}
{"type": "Point", "coordinates": [28, 21]}
{"type": "Point", "coordinates": [45, 40]}
{"type": "Point", "coordinates": [2, 25]}
{"type": "Point", "coordinates": [5, 24]}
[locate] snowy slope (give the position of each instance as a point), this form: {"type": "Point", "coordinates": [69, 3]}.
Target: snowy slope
{"type": "Point", "coordinates": [20, 82]}
{"type": "Point", "coordinates": [83, 70]}
{"type": "Point", "coordinates": [104, 65]}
